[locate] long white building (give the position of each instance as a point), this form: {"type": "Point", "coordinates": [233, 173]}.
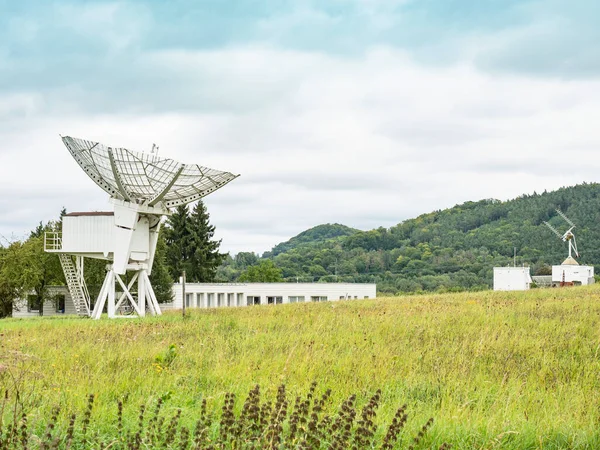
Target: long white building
{"type": "Point", "coordinates": [212, 295]}
{"type": "Point", "coordinates": [216, 295]}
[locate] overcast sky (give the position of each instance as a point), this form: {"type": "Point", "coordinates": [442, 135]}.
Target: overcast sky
{"type": "Point", "coordinates": [361, 112]}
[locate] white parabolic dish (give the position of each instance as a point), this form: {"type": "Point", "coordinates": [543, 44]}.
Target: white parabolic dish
{"type": "Point", "coordinates": [144, 178]}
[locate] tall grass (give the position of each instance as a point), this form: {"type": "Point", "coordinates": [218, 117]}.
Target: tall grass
{"type": "Point", "coordinates": [259, 425]}
{"type": "Point", "coordinates": [495, 370]}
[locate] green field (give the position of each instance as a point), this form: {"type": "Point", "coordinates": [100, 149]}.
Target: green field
{"type": "Point", "coordinates": [495, 370]}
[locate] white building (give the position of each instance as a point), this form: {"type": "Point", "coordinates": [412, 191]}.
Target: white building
{"type": "Point", "coordinates": [213, 295]}
{"type": "Point", "coordinates": [60, 303]}
{"type": "Point", "coordinates": [571, 272]}
{"type": "Point", "coordinates": [512, 278]}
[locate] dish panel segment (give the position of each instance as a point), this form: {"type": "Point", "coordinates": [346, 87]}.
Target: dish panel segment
{"type": "Point", "coordinates": [144, 178]}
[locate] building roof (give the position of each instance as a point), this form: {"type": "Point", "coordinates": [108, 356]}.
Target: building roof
{"type": "Point", "coordinates": [513, 268]}
{"type": "Point", "coordinates": [90, 213]}
{"type": "Point", "coordinates": [570, 261]}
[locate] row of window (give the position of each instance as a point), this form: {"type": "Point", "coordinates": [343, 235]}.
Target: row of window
{"type": "Point", "coordinates": [35, 305]}
{"type": "Point", "coordinates": [211, 300]}
{"type": "Point", "coordinates": [291, 299]}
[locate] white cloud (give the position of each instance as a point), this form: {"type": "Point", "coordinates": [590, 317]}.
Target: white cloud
{"type": "Point", "coordinates": [364, 141]}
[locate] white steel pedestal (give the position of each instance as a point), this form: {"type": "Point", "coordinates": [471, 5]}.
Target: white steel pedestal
{"type": "Point", "coordinates": [145, 295]}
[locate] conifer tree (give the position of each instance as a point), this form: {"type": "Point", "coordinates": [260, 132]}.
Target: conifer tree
{"type": "Point", "coordinates": [177, 236]}
{"type": "Point", "coordinates": [160, 278]}
{"type": "Point", "coordinates": [204, 252]}
{"type": "Point", "coordinates": [190, 244]}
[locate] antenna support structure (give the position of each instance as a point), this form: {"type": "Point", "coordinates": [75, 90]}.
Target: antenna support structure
{"type": "Point", "coordinates": [142, 188]}
{"type": "Point", "coordinates": [568, 236]}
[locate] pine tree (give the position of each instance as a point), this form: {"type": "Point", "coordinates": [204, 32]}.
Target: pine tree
{"type": "Point", "coordinates": [204, 252]}
{"type": "Point", "coordinates": [160, 278]}
{"type": "Point", "coordinates": [177, 237]}
{"type": "Point", "coordinates": [190, 245]}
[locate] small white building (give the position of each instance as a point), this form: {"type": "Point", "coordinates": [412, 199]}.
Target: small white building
{"type": "Point", "coordinates": [571, 272]}
{"type": "Point", "coordinates": [59, 303]}
{"type": "Point", "coordinates": [512, 278]}
{"type": "Point", "coordinates": [213, 295]}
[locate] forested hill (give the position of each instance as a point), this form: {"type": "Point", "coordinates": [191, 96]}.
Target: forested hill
{"type": "Point", "coordinates": [451, 249]}
{"type": "Point", "coordinates": [312, 237]}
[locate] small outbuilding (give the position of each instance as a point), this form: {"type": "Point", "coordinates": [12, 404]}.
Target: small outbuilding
{"type": "Point", "coordinates": [570, 272]}
{"type": "Point", "coordinates": [512, 278]}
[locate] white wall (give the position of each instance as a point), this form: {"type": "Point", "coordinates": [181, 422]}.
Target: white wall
{"type": "Point", "coordinates": [49, 308]}
{"type": "Point", "coordinates": [88, 234]}
{"type": "Point", "coordinates": [583, 274]}
{"type": "Point", "coordinates": [511, 278]}
{"type": "Point", "coordinates": [199, 294]}
{"type": "Point", "coordinates": [237, 294]}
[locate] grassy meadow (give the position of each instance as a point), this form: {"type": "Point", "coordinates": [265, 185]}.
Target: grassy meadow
{"type": "Point", "coordinates": [495, 370]}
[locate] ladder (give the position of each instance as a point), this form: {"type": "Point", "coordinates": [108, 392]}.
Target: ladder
{"type": "Point", "coordinates": [76, 285]}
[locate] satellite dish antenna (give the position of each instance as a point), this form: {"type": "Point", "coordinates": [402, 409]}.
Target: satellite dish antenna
{"type": "Point", "coordinates": [142, 188]}
{"type": "Point", "coordinates": [567, 236]}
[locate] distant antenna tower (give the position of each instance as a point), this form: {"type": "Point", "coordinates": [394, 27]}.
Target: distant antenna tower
{"type": "Point", "coordinates": [568, 236]}
{"type": "Point", "coordinates": [155, 149]}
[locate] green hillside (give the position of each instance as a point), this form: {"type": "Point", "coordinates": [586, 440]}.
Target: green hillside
{"type": "Point", "coordinates": [452, 249]}
{"type": "Point", "coordinates": [311, 237]}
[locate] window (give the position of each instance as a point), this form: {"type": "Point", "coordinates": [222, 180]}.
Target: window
{"type": "Point", "coordinates": [366, 297]}
{"type": "Point", "coordinates": [296, 298]}
{"type": "Point", "coordinates": [272, 300]}
{"type": "Point", "coordinates": [240, 299]}
{"type": "Point", "coordinates": [59, 302]}
{"type": "Point", "coordinates": [200, 300]}
{"type": "Point", "coordinates": [342, 297]}
{"type": "Point", "coordinates": [251, 300]}
{"type": "Point", "coordinates": [220, 299]}
{"type": "Point", "coordinates": [230, 300]}
{"type": "Point", "coordinates": [188, 300]}
{"type": "Point", "coordinates": [33, 304]}
{"type": "Point", "coordinates": [318, 298]}
{"type": "Point", "coordinates": [210, 300]}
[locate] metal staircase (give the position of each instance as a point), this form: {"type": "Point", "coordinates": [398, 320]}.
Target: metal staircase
{"type": "Point", "coordinates": [76, 285]}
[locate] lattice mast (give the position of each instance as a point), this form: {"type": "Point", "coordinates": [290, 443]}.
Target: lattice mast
{"type": "Point", "coordinates": [568, 236]}
{"type": "Point", "coordinates": [142, 189]}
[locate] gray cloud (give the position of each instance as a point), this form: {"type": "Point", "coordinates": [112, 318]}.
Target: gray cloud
{"type": "Point", "coordinates": [436, 134]}
{"type": "Point", "coordinates": [557, 40]}
{"type": "Point", "coordinates": [136, 51]}
{"type": "Point", "coordinates": [366, 139]}
{"type": "Point", "coordinates": [326, 180]}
